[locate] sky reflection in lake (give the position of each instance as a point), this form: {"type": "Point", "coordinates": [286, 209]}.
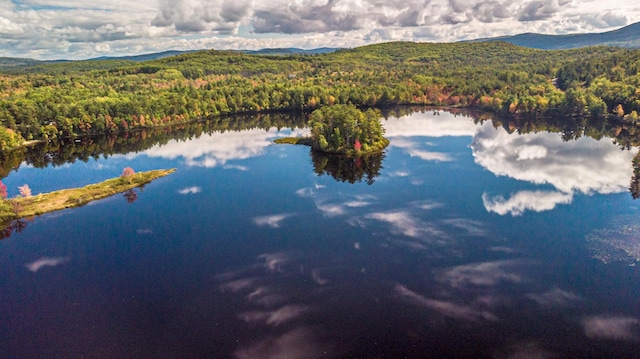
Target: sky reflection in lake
{"type": "Point", "coordinates": [471, 242]}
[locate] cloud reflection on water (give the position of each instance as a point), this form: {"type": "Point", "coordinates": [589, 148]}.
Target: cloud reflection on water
{"type": "Point", "coordinates": [265, 287]}
{"type": "Point", "coordinates": [525, 350]}
{"type": "Point", "coordinates": [217, 149]}
{"type": "Point", "coordinates": [520, 202]}
{"type": "Point", "coordinates": [331, 210]}
{"type": "Point", "coordinates": [446, 308]}
{"type": "Point", "coordinates": [611, 327]}
{"type": "Point", "coordinates": [412, 148]}
{"type": "Point", "coordinates": [584, 165]}
{"type": "Point", "coordinates": [190, 190]}
{"type": "Point", "coordinates": [273, 221]}
{"type": "Point", "coordinates": [291, 294]}
{"type": "Point", "coordinates": [298, 343]}
{"type": "Point", "coordinates": [236, 167]}
{"type": "Point", "coordinates": [46, 262]}
{"type": "Point", "coordinates": [275, 317]}
{"type": "Point", "coordinates": [403, 222]}
{"type": "Point", "coordinates": [554, 298]}
{"type": "Point", "coordinates": [424, 124]}
{"type": "Point", "coordinates": [292, 288]}
{"type": "Point", "coordinates": [486, 274]}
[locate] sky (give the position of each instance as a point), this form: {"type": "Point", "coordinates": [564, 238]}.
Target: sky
{"type": "Point", "coordinates": [80, 29]}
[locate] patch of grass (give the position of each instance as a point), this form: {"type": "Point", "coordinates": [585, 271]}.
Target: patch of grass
{"type": "Point", "coordinates": [6, 211]}
{"type": "Point", "coordinates": [293, 141]}
{"type": "Point", "coordinates": [75, 197]}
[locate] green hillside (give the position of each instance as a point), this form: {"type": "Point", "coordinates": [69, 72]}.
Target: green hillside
{"type": "Point", "coordinates": [70, 99]}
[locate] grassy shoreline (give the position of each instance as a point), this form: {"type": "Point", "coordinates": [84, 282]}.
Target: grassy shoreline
{"type": "Point", "coordinates": [22, 207]}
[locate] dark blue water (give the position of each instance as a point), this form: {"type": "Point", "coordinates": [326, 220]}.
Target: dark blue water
{"type": "Point", "coordinates": [470, 242]}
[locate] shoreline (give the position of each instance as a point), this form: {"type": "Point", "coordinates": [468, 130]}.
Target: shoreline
{"type": "Point", "coordinates": [77, 197]}
{"type": "Point", "coordinates": [306, 141]}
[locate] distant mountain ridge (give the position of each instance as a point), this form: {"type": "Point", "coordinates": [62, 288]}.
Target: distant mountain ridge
{"type": "Point", "coordinates": [17, 62]}
{"type": "Point", "coordinates": [628, 36]}
{"type": "Point", "coordinates": [266, 51]}
{"type": "Point", "coordinates": [144, 57]}
{"type": "Point", "coordinates": [13, 62]}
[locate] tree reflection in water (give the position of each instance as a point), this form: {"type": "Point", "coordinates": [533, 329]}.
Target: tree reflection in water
{"type": "Point", "coordinates": [348, 169]}
{"type": "Point", "coordinates": [18, 225]}
{"type": "Point", "coordinates": [634, 187]}
{"type": "Point", "coordinates": [15, 226]}
{"type": "Point", "coordinates": [41, 155]}
{"type": "Point", "coordinates": [131, 196]}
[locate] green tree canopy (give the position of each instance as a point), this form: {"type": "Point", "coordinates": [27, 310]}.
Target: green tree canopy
{"type": "Point", "coordinates": [344, 129]}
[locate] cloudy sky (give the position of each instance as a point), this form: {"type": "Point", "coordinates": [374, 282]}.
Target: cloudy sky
{"type": "Point", "coordinates": [77, 29]}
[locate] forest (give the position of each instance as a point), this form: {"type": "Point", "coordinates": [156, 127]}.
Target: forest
{"type": "Point", "coordinates": [65, 100]}
{"type": "Point", "coordinates": [345, 130]}
{"type": "Point", "coordinates": [58, 152]}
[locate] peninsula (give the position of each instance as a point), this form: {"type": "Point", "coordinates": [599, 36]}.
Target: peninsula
{"type": "Point", "coordinates": [21, 207]}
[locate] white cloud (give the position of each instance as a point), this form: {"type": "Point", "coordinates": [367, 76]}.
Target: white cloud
{"type": "Point", "coordinates": [76, 29]}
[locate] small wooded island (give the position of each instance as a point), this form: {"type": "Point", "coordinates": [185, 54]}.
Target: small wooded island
{"type": "Point", "coordinates": [27, 205]}
{"type": "Point", "coordinates": [343, 130]}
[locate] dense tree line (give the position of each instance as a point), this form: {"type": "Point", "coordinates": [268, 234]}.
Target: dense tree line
{"type": "Point", "coordinates": [344, 129]}
{"type": "Point", "coordinates": [61, 151]}
{"type": "Point", "coordinates": [74, 99]}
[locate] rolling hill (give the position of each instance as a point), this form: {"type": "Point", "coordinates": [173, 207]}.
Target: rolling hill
{"type": "Point", "coordinates": [20, 64]}
{"type": "Point", "coordinates": [290, 51]}
{"type": "Point", "coordinates": [628, 36]}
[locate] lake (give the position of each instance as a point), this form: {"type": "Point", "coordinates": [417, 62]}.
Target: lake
{"type": "Point", "coordinates": [465, 239]}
